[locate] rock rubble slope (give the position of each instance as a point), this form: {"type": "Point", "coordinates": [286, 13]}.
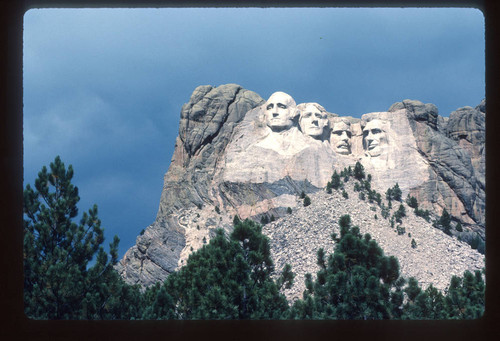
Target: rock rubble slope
{"type": "Point", "coordinates": [296, 238]}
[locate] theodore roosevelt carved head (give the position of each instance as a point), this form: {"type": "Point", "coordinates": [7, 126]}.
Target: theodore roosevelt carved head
{"type": "Point", "coordinates": [341, 137]}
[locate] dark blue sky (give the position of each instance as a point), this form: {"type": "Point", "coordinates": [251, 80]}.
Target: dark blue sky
{"type": "Point", "coordinates": [103, 88]}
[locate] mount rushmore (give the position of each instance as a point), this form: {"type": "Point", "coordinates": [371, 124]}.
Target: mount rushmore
{"type": "Point", "coordinates": [238, 154]}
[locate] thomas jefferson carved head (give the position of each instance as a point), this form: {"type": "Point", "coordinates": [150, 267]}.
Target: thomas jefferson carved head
{"type": "Point", "coordinates": [374, 137]}
{"type": "Point", "coordinates": [341, 137]}
{"type": "Point", "coordinates": [313, 120]}
{"type": "Point", "coordinates": [280, 111]}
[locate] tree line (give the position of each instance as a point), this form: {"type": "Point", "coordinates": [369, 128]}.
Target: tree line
{"type": "Point", "coordinates": [230, 277]}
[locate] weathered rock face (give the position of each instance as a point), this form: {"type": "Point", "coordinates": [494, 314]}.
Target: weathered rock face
{"type": "Point", "coordinates": [155, 254]}
{"type": "Point", "coordinates": [207, 122]}
{"type": "Point", "coordinates": [466, 126]}
{"type": "Point", "coordinates": [455, 153]}
{"type": "Point", "coordinates": [239, 154]}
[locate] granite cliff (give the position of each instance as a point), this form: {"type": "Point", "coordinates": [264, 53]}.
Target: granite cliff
{"type": "Point", "coordinates": [237, 153]}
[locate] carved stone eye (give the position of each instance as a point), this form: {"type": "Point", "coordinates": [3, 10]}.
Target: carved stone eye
{"type": "Point", "coordinates": [269, 106]}
{"type": "Point", "coordinates": [376, 131]}
{"type": "Point", "coordinates": [282, 106]}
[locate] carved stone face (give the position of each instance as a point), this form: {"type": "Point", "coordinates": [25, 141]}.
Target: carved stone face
{"type": "Point", "coordinates": [341, 138]}
{"type": "Point", "coordinates": [280, 111]}
{"type": "Point", "coordinates": [374, 138]}
{"type": "Point", "coordinates": [313, 122]}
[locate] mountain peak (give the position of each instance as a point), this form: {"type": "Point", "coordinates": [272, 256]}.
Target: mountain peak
{"type": "Point", "coordinates": [238, 154]}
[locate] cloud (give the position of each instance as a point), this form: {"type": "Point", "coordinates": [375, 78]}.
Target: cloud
{"type": "Point", "coordinates": [85, 126]}
{"type": "Point", "coordinates": [73, 122]}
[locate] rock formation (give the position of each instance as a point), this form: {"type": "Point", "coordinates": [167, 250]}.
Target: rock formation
{"type": "Point", "coordinates": [239, 154]}
{"type": "Point", "coordinates": [206, 125]}
{"type": "Point", "coordinates": [454, 150]}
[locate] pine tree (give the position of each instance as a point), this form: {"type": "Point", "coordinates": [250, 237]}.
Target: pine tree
{"type": "Point", "coordinates": [423, 213]}
{"type": "Point", "coordinates": [359, 171]}
{"type": "Point", "coordinates": [418, 306]}
{"type": "Point", "coordinates": [428, 304]}
{"type": "Point", "coordinates": [160, 305]}
{"type": "Point", "coordinates": [307, 201]}
{"type": "Point", "coordinates": [445, 221]}
{"type": "Point", "coordinates": [58, 282]}
{"type": "Point", "coordinates": [335, 183]}
{"type": "Point", "coordinates": [465, 298]}
{"type": "Point", "coordinates": [329, 187]}
{"type": "Point", "coordinates": [477, 243]}
{"type": "Point", "coordinates": [396, 192]}
{"type": "Point", "coordinates": [400, 213]}
{"type": "Point", "coordinates": [356, 282]}
{"type": "Point", "coordinates": [384, 211]}
{"type": "Point", "coordinates": [412, 202]}
{"type": "Point", "coordinates": [229, 278]}
{"type": "Point", "coordinates": [388, 194]}
{"type": "Point", "coordinates": [400, 230]}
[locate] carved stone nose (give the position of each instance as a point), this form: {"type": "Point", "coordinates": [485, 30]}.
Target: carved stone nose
{"type": "Point", "coordinates": [275, 114]}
